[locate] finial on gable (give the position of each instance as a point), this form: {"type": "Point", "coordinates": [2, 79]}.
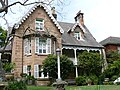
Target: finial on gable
{"type": "Point", "coordinates": [79, 18]}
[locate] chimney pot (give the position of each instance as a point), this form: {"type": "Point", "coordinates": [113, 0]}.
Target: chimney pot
{"type": "Point", "coordinates": [54, 12]}
{"type": "Point", "coordinates": [80, 18]}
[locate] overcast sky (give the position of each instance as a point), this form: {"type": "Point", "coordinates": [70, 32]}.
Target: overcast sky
{"type": "Point", "coordinates": [102, 17]}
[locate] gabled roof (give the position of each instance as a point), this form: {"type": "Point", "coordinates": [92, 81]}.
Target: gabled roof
{"type": "Point", "coordinates": [111, 40]}
{"type": "Point", "coordinates": [32, 10]}
{"type": "Point", "coordinates": [69, 40]}
{"type": "Point", "coordinates": [7, 48]}
{"type": "Point", "coordinates": [75, 25]}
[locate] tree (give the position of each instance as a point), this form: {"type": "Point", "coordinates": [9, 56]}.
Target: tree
{"type": "Point", "coordinates": [113, 59]}
{"type": "Point", "coordinates": [3, 35]}
{"type": "Point", "coordinates": [112, 56]}
{"type": "Point", "coordinates": [50, 66]}
{"type": "Point", "coordinates": [90, 63]}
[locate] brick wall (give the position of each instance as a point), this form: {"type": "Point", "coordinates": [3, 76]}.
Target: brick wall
{"type": "Point", "coordinates": [111, 47]}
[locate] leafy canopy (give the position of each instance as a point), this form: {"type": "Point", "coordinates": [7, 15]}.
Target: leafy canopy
{"type": "Point", "coordinates": [90, 63]}
{"type": "Point", "coordinates": [3, 35]}
{"type": "Point", "coordinates": [50, 66]}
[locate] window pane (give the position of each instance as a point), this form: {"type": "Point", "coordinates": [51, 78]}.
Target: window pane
{"type": "Point", "coordinates": [44, 50]}
{"type": "Point", "coordinates": [39, 24]}
{"type": "Point", "coordinates": [40, 50]}
{"type": "Point", "coordinates": [45, 74]}
{"type": "Point", "coordinates": [40, 71]}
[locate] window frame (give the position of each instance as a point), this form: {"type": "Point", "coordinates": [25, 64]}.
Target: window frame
{"type": "Point", "coordinates": [39, 21]}
{"type": "Point", "coordinates": [27, 46]}
{"type": "Point", "coordinates": [38, 70]}
{"type": "Point", "coordinates": [77, 35]}
{"type": "Point", "coordinates": [46, 47]}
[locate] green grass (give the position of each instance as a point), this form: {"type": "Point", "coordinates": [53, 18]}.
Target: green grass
{"type": "Point", "coordinates": [93, 87]}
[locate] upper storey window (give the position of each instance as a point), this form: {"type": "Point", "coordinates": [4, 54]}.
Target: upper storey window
{"type": "Point", "coordinates": [27, 46]}
{"type": "Point", "coordinates": [77, 35]}
{"type": "Point", "coordinates": [43, 46]}
{"type": "Point", "coordinates": [39, 24]}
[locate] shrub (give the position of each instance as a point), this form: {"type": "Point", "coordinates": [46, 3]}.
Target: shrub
{"type": "Point", "coordinates": [16, 85]}
{"type": "Point", "coordinates": [94, 79]}
{"type": "Point", "coordinates": [81, 80]}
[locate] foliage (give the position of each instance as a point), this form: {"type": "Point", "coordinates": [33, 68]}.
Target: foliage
{"type": "Point", "coordinates": [50, 66]}
{"type": "Point", "coordinates": [84, 80]}
{"type": "Point", "coordinates": [30, 77]}
{"type": "Point", "coordinates": [90, 63]}
{"type": "Point", "coordinates": [3, 35]}
{"type": "Point", "coordinates": [8, 66]}
{"type": "Point", "coordinates": [112, 56]}
{"type": "Point", "coordinates": [112, 70]}
{"type": "Point", "coordinates": [80, 80]}
{"type": "Point", "coordinates": [94, 79]}
{"type": "Point", "coordinates": [16, 85]}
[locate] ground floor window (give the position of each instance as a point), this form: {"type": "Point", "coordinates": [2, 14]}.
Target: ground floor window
{"type": "Point", "coordinates": [27, 69]}
{"type": "Point", "coordinates": [38, 72]}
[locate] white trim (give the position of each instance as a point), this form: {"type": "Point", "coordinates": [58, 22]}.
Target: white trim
{"type": "Point", "coordinates": [46, 10]}
{"type": "Point", "coordinates": [25, 69]}
{"type": "Point", "coordinates": [81, 48]}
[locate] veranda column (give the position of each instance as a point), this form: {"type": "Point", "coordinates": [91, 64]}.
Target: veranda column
{"type": "Point", "coordinates": [105, 62]}
{"type": "Point", "coordinates": [0, 55]}
{"type": "Point", "coordinates": [76, 69]}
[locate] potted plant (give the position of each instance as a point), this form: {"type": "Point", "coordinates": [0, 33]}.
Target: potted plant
{"type": "Point", "coordinates": [30, 80]}
{"type": "Point", "coordinates": [8, 68]}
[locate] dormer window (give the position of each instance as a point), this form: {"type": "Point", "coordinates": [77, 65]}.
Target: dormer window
{"type": "Point", "coordinates": [77, 35]}
{"type": "Point", "coordinates": [39, 24]}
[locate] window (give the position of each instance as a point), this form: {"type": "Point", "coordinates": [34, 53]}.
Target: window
{"type": "Point", "coordinates": [119, 49]}
{"type": "Point", "coordinates": [27, 46]}
{"type": "Point", "coordinates": [77, 35]}
{"type": "Point", "coordinates": [39, 24]}
{"type": "Point", "coordinates": [43, 46]}
{"type": "Point", "coordinates": [27, 69]}
{"type": "Point", "coordinates": [38, 72]}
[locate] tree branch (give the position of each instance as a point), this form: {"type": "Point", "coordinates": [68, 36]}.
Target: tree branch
{"type": "Point", "coordinates": [5, 7]}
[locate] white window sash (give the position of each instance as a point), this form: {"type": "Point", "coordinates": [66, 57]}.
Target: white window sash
{"type": "Point", "coordinates": [36, 45]}
{"type": "Point", "coordinates": [36, 71]}
{"type": "Point", "coordinates": [39, 25]}
{"type": "Point", "coordinates": [27, 46]}
{"type": "Point", "coordinates": [25, 69]}
{"type": "Point", "coordinates": [48, 45]}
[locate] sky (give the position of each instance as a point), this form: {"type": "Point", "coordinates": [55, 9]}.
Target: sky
{"type": "Point", "coordinates": [102, 17]}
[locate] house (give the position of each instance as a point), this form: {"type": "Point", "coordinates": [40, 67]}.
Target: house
{"type": "Point", "coordinates": [111, 44]}
{"type": "Point", "coordinates": [39, 33]}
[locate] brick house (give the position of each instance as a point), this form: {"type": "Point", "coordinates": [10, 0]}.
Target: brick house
{"type": "Point", "coordinates": [38, 34]}
{"type": "Point", "coordinates": [111, 44]}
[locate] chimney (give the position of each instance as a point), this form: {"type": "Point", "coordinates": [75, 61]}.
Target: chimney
{"type": "Point", "coordinates": [80, 18]}
{"type": "Point", "coordinates": [54, 12]}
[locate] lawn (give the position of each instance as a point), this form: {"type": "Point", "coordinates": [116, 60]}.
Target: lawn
{"type": "Point", "coordinates": [94, 87]}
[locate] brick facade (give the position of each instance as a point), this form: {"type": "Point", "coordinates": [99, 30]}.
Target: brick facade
{"type": "Point", "coordinates": [111, 47]}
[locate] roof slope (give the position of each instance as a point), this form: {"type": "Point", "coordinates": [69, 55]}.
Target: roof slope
{"type": "Point", "coordinates": [7, 48]}
{"type": "Point", "coordinates": [67, 39]}
{"type": "Point", "coordinates": [111, 40]}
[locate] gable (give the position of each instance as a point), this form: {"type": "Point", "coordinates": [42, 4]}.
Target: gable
{"type": "Point", "coordinates": [32, 10]}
